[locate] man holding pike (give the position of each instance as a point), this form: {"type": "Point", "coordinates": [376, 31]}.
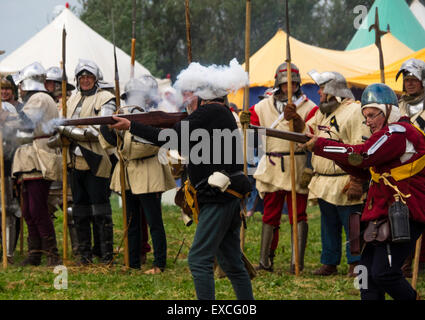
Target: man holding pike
{"type": "Point", "coordinates": [90, 165]}
{"type": "Point", "coordinates": [273, 173]}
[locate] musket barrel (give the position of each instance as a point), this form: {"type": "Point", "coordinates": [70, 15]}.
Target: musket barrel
{"type": "Point", "coordinates": [281, 134]}
{"type": "Point", "coordinates": [154, 118]}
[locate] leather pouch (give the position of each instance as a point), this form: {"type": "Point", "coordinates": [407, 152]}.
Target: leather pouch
{"type": "Point", "coordinates": [377, 230]}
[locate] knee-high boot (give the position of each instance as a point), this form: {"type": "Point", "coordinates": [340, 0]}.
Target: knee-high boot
{"type": "Point", "coordinates": [102, 223]}
{"type": "Point", "coordinates": [82, 216]}
{"type": "Point", "coordinates": [302, 243]}
{"type": "Point", "coordinates": [266, 241]}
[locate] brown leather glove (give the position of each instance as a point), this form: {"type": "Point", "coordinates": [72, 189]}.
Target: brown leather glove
{"type": "Point", "coordinates": [290, 113]}
{"type": "Point", "coordinates": [245, 117]}
{"type": "Point", "coordinates": [306, 177]}
{"type": "Point", "coordinates": [354, 189]}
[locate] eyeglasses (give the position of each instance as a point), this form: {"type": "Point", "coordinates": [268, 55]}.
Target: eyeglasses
{"type": "Point", "coordinates": [371, 117]}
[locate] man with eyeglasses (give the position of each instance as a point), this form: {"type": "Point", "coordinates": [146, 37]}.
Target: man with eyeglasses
{"type": "Point", "coordinates": [337, 193]}
{"type": "Point", "coordinates": [393, 158]}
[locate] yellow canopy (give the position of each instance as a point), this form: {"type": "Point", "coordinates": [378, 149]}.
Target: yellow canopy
{"type": "Point", "coordinates": [390, 73]}
{"type": "Point", "coordinates": [353, 63]}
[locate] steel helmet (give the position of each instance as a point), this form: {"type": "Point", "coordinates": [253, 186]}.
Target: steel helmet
{"type": "Point", "coordinates": [379, 93]}
{"type": "Point", "coordinates": [31, 78]}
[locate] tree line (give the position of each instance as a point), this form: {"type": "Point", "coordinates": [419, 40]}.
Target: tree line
{"type": "Point", "coordinates": [217, 27]}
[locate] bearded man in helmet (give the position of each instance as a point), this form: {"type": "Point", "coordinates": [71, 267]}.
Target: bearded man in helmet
{"type": "Point", "coordinates": [393, 160]}
{"type": "Point", "coordinates": [338, 193]}
{"type": "Point", "coordinates": [412, 105]}
{"type": "Point", "coordinates": [90, 165]}
{"type": "Point", "coordinates": [273, 174]}
{"type": "Point", "coordinates": [35, 165]}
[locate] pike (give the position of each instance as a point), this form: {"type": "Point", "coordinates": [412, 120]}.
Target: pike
{"type": "Point", "coordinates": [65, 146]}
{"type": "Point", "coordinates": [133, 41]}
{"type": "Point", "coordinates": [3, 194]}
{"type": "Point", "coordinates": [245, 108]}
{"type": "Point", "coordinates": [188, 37]}
{"type": "Point", "coordinates": [378, 34]}
{"type": "Point", "coordinates": [119, 144]}
{"type": "Point", "coordinates": [292, 147]}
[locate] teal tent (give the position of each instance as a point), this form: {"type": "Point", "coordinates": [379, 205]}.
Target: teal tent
{"type": "Point", "coordinates": [403, 25]}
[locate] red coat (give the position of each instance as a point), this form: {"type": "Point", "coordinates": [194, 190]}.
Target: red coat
{"type": "Point", "coordinates": [384, 159]}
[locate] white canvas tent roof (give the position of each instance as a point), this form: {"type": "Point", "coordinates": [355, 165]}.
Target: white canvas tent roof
{"type": "Point", "coordinates": [418, 10]}
{"type": "Point", "coordinates": [81, 42]}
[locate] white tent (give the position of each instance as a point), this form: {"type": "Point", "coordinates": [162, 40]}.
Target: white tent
{"type": "Point", "coordinates": [81, 42]}
{"type": "Point", "coordinates": [418, 10]}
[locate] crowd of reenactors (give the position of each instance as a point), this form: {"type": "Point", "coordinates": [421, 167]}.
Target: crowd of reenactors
{"type": "Point", "coordinates": [363, 157]}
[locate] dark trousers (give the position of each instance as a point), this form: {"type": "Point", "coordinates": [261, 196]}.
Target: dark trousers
{"type": "Point", "coordinates": [35, 209]}
{"type": "Point", "coordinates": [148, 204]}
{"type": "Point", "coordinates": [381, 278]}
{"type": "Point", "coordinates": [218, 235]}
{"type": "Point", "coordinates": [332, 219]}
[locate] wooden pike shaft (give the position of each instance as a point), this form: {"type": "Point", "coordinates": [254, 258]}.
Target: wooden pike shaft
{"type": "Point", "coordinates": [121, 161]}
{"type": "Point", "coordinates": [133, 41]}
{"type": "Point", "coordinates": [3, 198]}
{"type": "Point", "coordinates": [188, 36]}
{"type": "Point", "coordinates": [246, 106]}
{"type": "Point", "coordinates": [64, 155]}
{"type": "Point", "coordinates": [416, 262]}
{"type": "Point", "coordinates": [292, 150]}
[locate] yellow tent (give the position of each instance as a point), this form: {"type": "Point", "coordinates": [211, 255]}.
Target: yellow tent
{"type": "Point", "coordinates": [353, 63]}
{"type": "Point", "coordinates": [390, 74]}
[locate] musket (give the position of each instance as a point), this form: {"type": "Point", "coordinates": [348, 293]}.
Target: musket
{"type": "Point", "coordinates": [378, 43]}
{"type": "Point", "coordinates": [119, 143]}
{"type": "Point", "coordinates": [292, 147]}
{"type": "Point", "coordinates": [282, 134]}
{"type": "Point", "coordinates": [65, 146]}
{"type": "Point", "coordinates": [188, 37]}
{"type": "Point", "coordinates": [3, 194]}
{"type": "Point", "coordinates": [133, 41]}
{"type": "Point", "coordinates": [159, 119]}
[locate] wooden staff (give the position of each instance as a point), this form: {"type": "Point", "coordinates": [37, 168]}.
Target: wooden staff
{"type": "Point", "coordinates": [3, 196]}
{"type": "Point", "coordinates": [133, 41]}
{"type": "Point", "coordinates": [121, 160]}
{"type": "Point", "coordinates": [65, 146]}
{"type": "Point", "coordinates": [292, 148]}
{"type": "Point", "coordinates": [245, 108]}
{"type": "Point", "coordinates": [416, 263]}
{"type": "Point", "coordinates": [188, 37]}
{"type": "Point", "coordinates": [378, 34]}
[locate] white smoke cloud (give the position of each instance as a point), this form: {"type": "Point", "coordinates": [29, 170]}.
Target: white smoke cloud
{"type": "Point", "coordinates": [213, 81]}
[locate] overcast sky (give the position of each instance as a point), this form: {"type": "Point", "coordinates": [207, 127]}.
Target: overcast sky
{"type": "Point", "coordinates": [22, 19]}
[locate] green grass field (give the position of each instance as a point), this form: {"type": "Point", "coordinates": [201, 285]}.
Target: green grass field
{"type": "Point", "coordinates": [98, 282]}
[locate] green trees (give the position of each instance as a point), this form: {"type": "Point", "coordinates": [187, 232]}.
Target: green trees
{"type": "Point", "coordinates": [217, 27]}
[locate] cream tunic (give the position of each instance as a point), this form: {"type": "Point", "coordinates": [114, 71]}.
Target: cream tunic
{"type": "Point", "coordinates": [36, 159]}
{"type": "Point", "coordinates": [269, 177]}
{"type": "Point", "coordinates": [91, 106]}
{"type": "Point", "coordinates": [345, 124]}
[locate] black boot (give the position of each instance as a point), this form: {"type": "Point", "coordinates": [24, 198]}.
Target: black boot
{"type": "Point", "coordinates": [266, 241]}
{"type": "Point", "coordinates": [50, 248]}
{"type": "Point", "coordinates": [34, 252]}
{"type": "Point", "coordinates": [73, 233]}
{"type": "Point", "coordinates": [82, 215]}
{"type": "Point", "coordinates": [102, 223]}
